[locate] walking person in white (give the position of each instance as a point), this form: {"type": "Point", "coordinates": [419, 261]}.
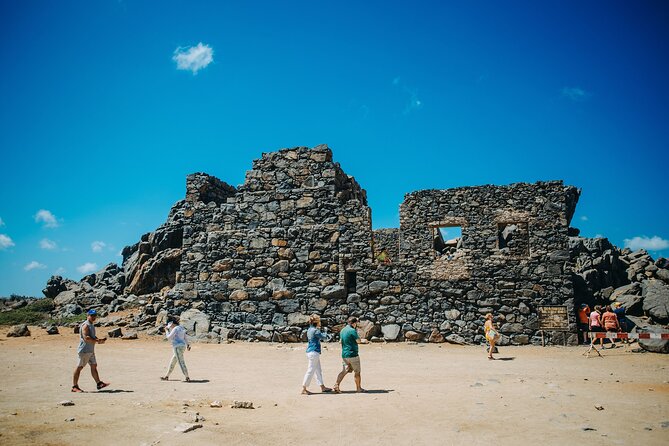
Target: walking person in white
{"type": "Point", "coordinates": [177, 335]}
{"type": "Point", "coordinates": [314, 337]}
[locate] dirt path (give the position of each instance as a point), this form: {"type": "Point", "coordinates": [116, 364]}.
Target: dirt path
{"type": "Point", "coordinates": [421, 394]}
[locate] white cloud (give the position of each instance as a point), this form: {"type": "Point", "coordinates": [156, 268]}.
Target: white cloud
{"type": "Point", "coordinates": [59, 271]}
{"type": "Point", "coordinates": [98, 246]}
{"type": "Point", "coordinates": [584, 218]}
{"type": "Point", "coordinates": [2, 223]}
{"type": "Point", "coordinates": [575, 94]}
{"type": "Point", "coordinates": [5, 241]}
{"type": "Point", "coordinates": [87, 268]}
{"type": "Point", "coordinates": [649, 244]}
{"type": "Point", "coordinates": [34, 265]}
{"type": "Point", "coordinates": [45, 243]}
{"type": "Point", "coordinates": [193, 58]}
{"type": "Point", "coordinates": [414, 104]}
{"type": "Point", "coordinates": [46, 217]}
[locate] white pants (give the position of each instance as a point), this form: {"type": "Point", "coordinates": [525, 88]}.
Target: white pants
{"type": "Point", "coordinates": [178, 357]}
{"type": "Point", "coordinates": [314, 368]}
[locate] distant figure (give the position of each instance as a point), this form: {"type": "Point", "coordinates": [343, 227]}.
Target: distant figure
{"type": "Point", "coordinates": [177, 334]}
{"type": "Point", "coordinates": [610, 323]}
{"type": "Point", "coordinates": [583, 319]}
{"type": "Point", "coordinates": [349, 353]}
{"type": "Point", "coordinates": [86, 351]}
{"type": "Point", "coordinates": [314, 337]}
{"type": "Point", "coordinates": [383, 257]}
{"type": "Point", "coordinates": [595, 325]}
{"type": "Point", "coordinates": [620, 312]}
{"type": "Point", "coordinates": [491, 333]}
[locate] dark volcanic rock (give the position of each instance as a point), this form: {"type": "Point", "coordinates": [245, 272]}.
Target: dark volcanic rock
{"type": "Point", "coordinates": [18, 331]}
{"type": "Point", "coordinates": [656, 300]}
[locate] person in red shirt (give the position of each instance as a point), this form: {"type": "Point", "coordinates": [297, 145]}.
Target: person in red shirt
{"type": "Point", "coordinates": [610, 323]}
{"type": "Point", "coordinates": [583, 319]}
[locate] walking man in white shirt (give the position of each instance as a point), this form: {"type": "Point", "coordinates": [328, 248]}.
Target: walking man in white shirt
{"type": "Point", "coordinates": [177, 335]}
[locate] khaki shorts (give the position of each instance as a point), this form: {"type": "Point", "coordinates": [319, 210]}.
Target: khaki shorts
{"type": "Point", "coordinates": [351, 364]}
{"type": "Point", "coordinates": [86, 358]}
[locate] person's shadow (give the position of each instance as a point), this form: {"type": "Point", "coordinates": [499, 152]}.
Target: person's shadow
{"type": "Point", "coordinates": [115, 391]}
{"type": "Point", "coordinates": [372, 391]}
{"type": "Point", "coordinates": [506, 358]}
{"type": "Point", "coordinates": [197, 381]}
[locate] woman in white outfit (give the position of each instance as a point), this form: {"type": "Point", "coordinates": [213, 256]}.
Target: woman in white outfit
{"type": "Point", "coordinates": [177, 335]}
{"type": "Point", "coordinates": [314, 337]}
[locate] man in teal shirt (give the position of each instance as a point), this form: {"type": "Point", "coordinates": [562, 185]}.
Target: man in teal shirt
{"type": "Point", "coordinates": [349, 354]}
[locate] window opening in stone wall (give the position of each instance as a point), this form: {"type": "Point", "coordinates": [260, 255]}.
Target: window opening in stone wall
{"type": "Point", "coordinates": [447, 240]}
{"type": "Point", "coordinates": [350, 282]}
{"type": "Point", "coordinates": [513, 239]}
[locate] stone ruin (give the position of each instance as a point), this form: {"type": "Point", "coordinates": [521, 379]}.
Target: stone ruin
{"type": "Point", "coordinates": [296, 238]}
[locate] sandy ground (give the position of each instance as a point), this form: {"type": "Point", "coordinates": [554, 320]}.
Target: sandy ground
{"type": "Point", "coordinates": [419, 394]}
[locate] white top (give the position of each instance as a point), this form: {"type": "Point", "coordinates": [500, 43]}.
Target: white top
{"type": "Point", "coordinates": [178, 336]}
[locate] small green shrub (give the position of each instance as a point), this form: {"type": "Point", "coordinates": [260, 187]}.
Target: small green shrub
{"type": "Point", "coordinates": [68, 319]}
{"type": "Point", "coordinates": [42, 305]}
{"type": "Point", "coordinates": [22, 316]}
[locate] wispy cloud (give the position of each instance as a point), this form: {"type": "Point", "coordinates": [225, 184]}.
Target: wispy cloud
{"type": "Point", "coordinates": [98, 246]}
{"type": "Point", "coordinates": [87, 268]}
{"type": "Point", "coordinates": [60, 271]}
{"type": "Point", "coordinates": [576, 94]}
{"type": "Point", "coordinates": [2, 223]}
{"type": "Point", "coordinates": [46, 218]}
{"type": "Point", "coordinates": [413, 102]}
{"type": "Point", "coordinates": [584, 218]}
{"type": "Point", "coordinates": [654, 243]}
{"type": "Point", "coordinates": [34, 265]}
{"type": "Point", "coordinates": [193, 58]}
{"type": "Point", "coordinates": [5, 242]}
{"type": "Point", "coordinates": [45, 243]}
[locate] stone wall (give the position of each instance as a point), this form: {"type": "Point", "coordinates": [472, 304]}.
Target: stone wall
{"type": "Point", "coordinates": [388, 239]}
{"type": "Point", "coordinates": [253, 262]}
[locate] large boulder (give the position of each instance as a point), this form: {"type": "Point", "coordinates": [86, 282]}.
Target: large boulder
{"type": "Point", "coordinates": [17, 331]}
{"type": "Point", "coordinates": [626, 290]}
{"type": "Point", "coordinates": [367, 329]}
{"type": "Point", "coordinates": [64, 298]}
{"type": "Point", "coordinates": [54, 286]}
{"type": "Point", "coordinates": [633, 305]}
{"type": "Point", "coordinates": [156, 272]}
{"type": "Point", "coordinates": [656, 300]}
{"type": "Point", "coordinates": [654, 345]}
{"type": "Point", "coordinates": [390, 331]}
{"type": "Point", "coordinates": [195, 322]}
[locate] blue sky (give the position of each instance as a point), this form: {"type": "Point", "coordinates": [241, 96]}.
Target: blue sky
{"type": "Point", "coordinates": [100, 122]}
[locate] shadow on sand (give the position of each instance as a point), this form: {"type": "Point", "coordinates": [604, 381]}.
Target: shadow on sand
{"type": "Point", "coordinates": [115, 391]}
{"type": "Point", "coordinates": [373, 391]}
{"type": "Point", "coordinates": [506, 358]}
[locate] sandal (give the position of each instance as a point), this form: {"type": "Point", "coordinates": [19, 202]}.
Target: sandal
{"type": "Point", "coordinates": [336, 389]}
{"type": "Point", "coordinates": [187, 379]}
{"type": "Point", "coordinates": [164, 378]}
{"type": "Point", "coordinates": [326, 390]}
{"type": "Point", "coordinates": [76, 389]}
{"type": "Point", "coordinates": [102, 385]}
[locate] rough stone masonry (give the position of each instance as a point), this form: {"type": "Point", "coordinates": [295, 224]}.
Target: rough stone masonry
{"type": "Point", "coordinates": [296, 238]}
